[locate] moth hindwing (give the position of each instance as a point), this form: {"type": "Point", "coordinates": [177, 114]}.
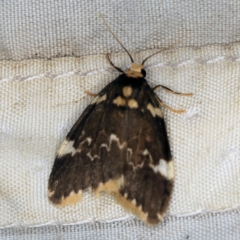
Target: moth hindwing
{"type": "Point", "coordinates": [118, 145]}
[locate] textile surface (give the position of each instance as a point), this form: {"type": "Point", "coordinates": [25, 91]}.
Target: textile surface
{"type": "Point", "coordinates": [52, 52]}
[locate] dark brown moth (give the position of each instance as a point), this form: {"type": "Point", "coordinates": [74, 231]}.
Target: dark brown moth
{"type": "Point", "coordinates": [118, 145]}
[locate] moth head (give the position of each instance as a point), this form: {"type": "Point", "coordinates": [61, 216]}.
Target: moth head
{"type": "Point", "coordinates": [136, 71]}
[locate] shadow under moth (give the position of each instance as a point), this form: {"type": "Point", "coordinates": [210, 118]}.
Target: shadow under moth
{"type": "Point", "coordinates": [119, 145]}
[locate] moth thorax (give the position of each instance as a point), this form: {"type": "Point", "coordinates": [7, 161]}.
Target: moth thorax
{"type": "Point", "coordinates": [136, 67]}
{"type": "Point", "coordinates": [136, 71]}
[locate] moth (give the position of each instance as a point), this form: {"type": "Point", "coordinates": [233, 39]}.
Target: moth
{"type": "Point", "coordinates": [118, 145]}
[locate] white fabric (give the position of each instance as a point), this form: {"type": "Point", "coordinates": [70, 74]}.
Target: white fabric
{"type": "Point", "coordinates": [41, 99]}
{"type": "Point", "coordinates": [46, 29]}
{"type": "Point", "coordinates": [208, 226]}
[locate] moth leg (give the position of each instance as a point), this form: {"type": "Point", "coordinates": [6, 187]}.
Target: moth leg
{"type": "Point", "coordinates": [91, 94]}
{"type": "Point", "coordinates": [171, 91]}
{"type": "Point", "coordinates": [169, 108]}
{"type": "Point", "coordinates": [107, 56]}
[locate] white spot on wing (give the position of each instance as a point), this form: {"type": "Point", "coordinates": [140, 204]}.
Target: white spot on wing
{"type": "Point", "coordinates": [134, 202]}
{"type": "Point", "coordinates": [99, 99]}
{"type": "Point", "coordinates": [147, 153]}
{"type": "Point", "coordinates": [154, 111]}
{"type": "Point", "coordinates": [127, 91]}
{"type": "Point", "coordinates": [119, 101]}
{"type": "Point", "coordinates": [158, 112]}
{"type": "Point", "coordinates": [89, 140]}
{"type": "Point", "coordinates": [120, 181]}
{"type": "Point", "coordinates": [129, 154]}
{"type": "Point", "coordinates": [140, 165]}
{"type": "Point", "coordinates": [66, 148]}
{"type": "Point", "coordinates": [132, 103]}
{"type": "Point", "coordinates": [92, 157]}
{"type": "Point", "coordinates": [165, 168]}
{"type": "Point", "coordinates": [160, 218]}
{"type": "Point", "coordinates": [71, 199]}
{"type": "Point", "coordinates": [50, 193]}
{"type": "Point", "coordinates": [112, 138]}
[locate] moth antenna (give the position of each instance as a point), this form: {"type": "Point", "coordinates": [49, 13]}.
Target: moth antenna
{"type": "Point", "coordinates": [173, 45]}
{"type": "Point", "coordinates": [153, 55]}
{"type": "Point", "coordinates": [109, 29]}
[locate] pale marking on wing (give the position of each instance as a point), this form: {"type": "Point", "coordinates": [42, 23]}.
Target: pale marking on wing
{"type": "Point", "coordinates": [137, 165]}
{"type": "Point", "coordinates": [144, 153]}
{"type": "Point", "coordinates": [132, 103]}
{"type": "Point", "coordinates": [140, 207]}
{"type": "Point", "coordinates": [154, 111]}
{"type": "Point", "coordinates": [165, 168]}
{"type": "Point", "coordinates": [147, 153]}
{"type": "Point", "coordinates": [119, 101]}
{"type": "Point", "coordinates": [160, 217]}
{"type": "Point", "coordinates": [67, 147]}
{"type": "Point", "coordinates": [127, 91]}
{"type": "Point", "coordinates": [112, 138]}
{"type": "Point", "coordinates": [129, 150]}
{"type": "Point", "coordinates": [134, 202]}
{"type": "Point", "coordinates": [71, 199]}
{"type": "Point", "coordinates": [50, 193]}
{"type": "Point", "coordinates": [129, 154]}
{"type": "Point", "coordinates": [111, 186]}
{"type": "Point", "coordinates": [131, 205]}
{"type": "Point", "coordinates": [89, 140]}
{"type": "Point", "coordinates": [99, 99]}
{"type": "Point", "coordinates": [120, 181]}
{"type": "Point", "coordinates": [92, 157]}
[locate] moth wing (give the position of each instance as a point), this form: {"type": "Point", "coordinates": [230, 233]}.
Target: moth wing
{"type": "Point", "coordinates": [119, 146]}
{"type": "Point", "coordinates": [77, 165]}
{"type": "Point", "coordinates": [147, 180]}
